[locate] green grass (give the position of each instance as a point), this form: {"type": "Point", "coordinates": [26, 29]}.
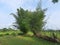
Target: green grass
{"type": "Point", "coordinates": [12, 31]}
{"type": "Point", "coordinates": [25, 40]}
{"type": "Point", "coordinates": [48, 33]}
{"type": "Point", "coordinates": [22, 40]}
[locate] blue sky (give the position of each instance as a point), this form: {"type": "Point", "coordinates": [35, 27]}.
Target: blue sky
{"type": "Point", "coordinates": [9, 6]}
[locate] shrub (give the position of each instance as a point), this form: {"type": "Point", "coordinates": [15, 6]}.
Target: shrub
{"type": "Point", "coordinates": [7, 34]}
{"type": "Point", "coordinates": [1, 34]}
{"type": "Point", "coordinates": [20, 34]}
{"type": "Point", "coordinates": [14, 34]}
{"type": "Point", "coordinates": [54, 35]}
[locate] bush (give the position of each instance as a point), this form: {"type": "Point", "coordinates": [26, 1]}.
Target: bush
{"type": "Point", "coordinates": [7, 34]}
{"type": "Point", "coordinates": [1, 34]}
{"type": "Point", "coordinates": [14, 34]}
{"type": "Point", "coordinates": [54, 35]}
{"type": "Point", "coordinates": [20, 34]}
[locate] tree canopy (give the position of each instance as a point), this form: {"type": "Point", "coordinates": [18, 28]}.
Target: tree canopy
{"type": "Point", "coordinates": [55, 1]}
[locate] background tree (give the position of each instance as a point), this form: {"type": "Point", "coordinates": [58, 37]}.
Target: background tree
{"type": "Point", "coordinates": [4, 29]}
{"type": "Point", "coordinates": [54, 1]}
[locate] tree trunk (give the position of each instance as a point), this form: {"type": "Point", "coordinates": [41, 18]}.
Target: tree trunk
{"type": "Point", "coordinates": [37, 34]}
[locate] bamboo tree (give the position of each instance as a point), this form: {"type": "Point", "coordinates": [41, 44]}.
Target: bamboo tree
{"type": "Point", "coordinates": [21, 20]}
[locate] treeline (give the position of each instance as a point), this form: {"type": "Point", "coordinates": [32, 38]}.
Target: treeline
{"type": "Point", "coordinates": [6, 29]}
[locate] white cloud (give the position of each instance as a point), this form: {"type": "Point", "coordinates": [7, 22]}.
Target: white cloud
{"type": "Point", "coordinates": [13, 4]}
{"type": "Point", "coordinates": [53, 20]}
{"type": "Point", "coordinates": [5, 20]}
{"type": "Point", "coordinates": [10, 6]}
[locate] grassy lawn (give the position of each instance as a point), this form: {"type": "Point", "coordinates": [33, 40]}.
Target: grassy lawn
{"type": "Point", "coordinates": [23, 40]}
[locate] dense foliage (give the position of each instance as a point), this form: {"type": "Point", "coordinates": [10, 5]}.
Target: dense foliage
{"type": "Point", "coordinates": [28, 20]}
